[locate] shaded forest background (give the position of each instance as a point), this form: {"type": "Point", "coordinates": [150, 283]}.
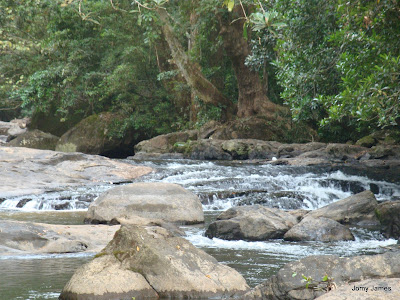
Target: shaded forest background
{"type": "Point", "coordinates": [164, 66]}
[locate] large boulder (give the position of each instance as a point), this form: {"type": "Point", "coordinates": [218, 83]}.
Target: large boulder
{"type": "Point", "coordinates": [170, 265]}
{"type": "Point", "coordinates": [35, 139]}
{"type": "Point", "coordinates": [166, 143]}
{"type": "Point", "coordinates": [371, 289]}
{"type": "Point", "coordinates": [91, 136]}
{"type": "Point", "coordinates": [32, 171]}
{"type": "Point", "coordinates": [18, 237]}
{"type": "Point", "coordinates": [321, 229]}
{"type": "Point", "coordinates": [357, 209]}
{"type": "Point", "coordinates": [288, 283]}
{"type": "Point", "coordinates": [156, 200]}
{"type": "Point", "coordinates": [255, 223]}
{"type": "Point", "coordinates": [388, 214]}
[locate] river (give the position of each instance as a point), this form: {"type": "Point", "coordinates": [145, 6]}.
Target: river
{"type": "Point", "coordinates": [219, 185]}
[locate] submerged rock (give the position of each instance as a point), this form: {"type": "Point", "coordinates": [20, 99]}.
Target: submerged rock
{"type": "Point", "coordinates": [357, 209]}
{"type": "Point", "coordinates": [255, 223]}
{"type": "Point", "coordinates": [27, 237]}
{"type": "Point", "coordinates": [170, 265]}
{"type": "Point", "coordinates": [288, 283]}
{"type": "Point", "coordinates": [156, 200]}
{"type": "Point", "coordinates": [320, 229]}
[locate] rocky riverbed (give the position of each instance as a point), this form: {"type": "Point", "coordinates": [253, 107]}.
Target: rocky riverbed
{"type": "Point", "coordinates": [80, 169]}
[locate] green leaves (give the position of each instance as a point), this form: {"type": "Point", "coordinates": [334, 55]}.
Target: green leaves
{"type": "Point", "coordinates": [230, 4]}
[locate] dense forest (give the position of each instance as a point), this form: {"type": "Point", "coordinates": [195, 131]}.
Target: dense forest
{"type": "Point", "coordinates": [164, 66]}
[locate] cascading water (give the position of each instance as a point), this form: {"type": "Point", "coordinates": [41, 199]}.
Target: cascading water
{"type": "Point", "coordinates": [221, 185]}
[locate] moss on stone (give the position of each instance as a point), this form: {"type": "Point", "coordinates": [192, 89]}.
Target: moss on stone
{"type": "Point", "coordinates": [367, 141]}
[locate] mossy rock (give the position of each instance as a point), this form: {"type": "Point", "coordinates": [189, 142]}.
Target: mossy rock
{"type": "Point", "coordinates": [91, 136]}
{"type": "Point", "coordinates": [367, 141]}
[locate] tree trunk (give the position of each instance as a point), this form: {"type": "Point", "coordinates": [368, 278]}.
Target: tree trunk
{"type": "Point", "coordinates": [203, 88]}
{"type": "Point", "coordinates": [252, 100]}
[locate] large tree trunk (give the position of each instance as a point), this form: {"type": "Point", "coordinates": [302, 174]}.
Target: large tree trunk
{"type": "Point", "coordinates": [252, 99]}
{"type": "Point", "coordinates": [203, 88]}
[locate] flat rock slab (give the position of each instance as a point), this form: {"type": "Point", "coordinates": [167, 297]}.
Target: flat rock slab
{"type": "Point", "coordinates": [153, 200]}
{"type": "Point", "coordinates": [32, 171]}
{"type": "Point", "coordinates": [18, 237]}
{"type": "Point", "coordinates": [153, 257]}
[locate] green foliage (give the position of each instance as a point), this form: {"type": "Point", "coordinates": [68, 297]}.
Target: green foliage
{"type": "Point", "coordinates": [335, 63]}
{"type": "Point", "coordinates": [338, 63]}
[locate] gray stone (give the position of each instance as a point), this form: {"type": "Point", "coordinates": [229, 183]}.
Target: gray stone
{"type": "Point", "coordinates": [172, 266]}
{"type": "Point", "coordinates": [287, 284]}
{"type": "Point", "coordinates": [357, 209]}
{"type": "Point", "coordinates": [320, 229]}
{"type": "Point", "coordinates": [155, 200]}
{"type": "Point", "coordinates": [35, 139]}
{"type": "Point", "coordinates": [388, 214]}
{"type": "Point", "coordinates": [254, 223]}
{"type": "Point", "coordinates": [105, 278]}
{"type": "Point", "coordinates": [30, 171]}
{"type": "Point", "coordinates": [28, 237]}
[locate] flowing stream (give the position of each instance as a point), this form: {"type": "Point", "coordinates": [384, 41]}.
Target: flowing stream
{"type": "Point", "coordinates": [220, 185]}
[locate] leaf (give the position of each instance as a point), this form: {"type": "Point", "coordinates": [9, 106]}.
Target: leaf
{"type": "Point", "coordinates": [245, 36]}
{"type": "Point", "coordinates": [325, 278]}
{"type": "Point", "coordinates": [294, 274]}
{"type": "Point", "coordinates": [231, 4]}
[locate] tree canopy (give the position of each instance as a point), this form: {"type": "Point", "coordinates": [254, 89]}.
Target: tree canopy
{"type": "Point", "coordinates": [169, 65]}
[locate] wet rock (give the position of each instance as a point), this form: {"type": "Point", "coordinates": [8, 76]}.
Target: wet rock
{"type": "Point", "coordinates": [371, 289]}
{"type": "Point", "coordinates": [170, 265]}
{"type": "Point", "coordinates": [321, 229]}
{"type": "Point", "coordinates": [22, 202]}
{"type": "Point", "coordinates": [255, 223]}
{"type": "Point", "coordinates": [388, 214]}
{"type": "Point", "coordinates": [27, 237]}
{"type": "Point", "coordinates": [287, 284]}
{"type": "Point", "coordinates": [62, 206]}
{"type": "Point", "coordinates": [357, 209]}
{"type": "Point", "coordinates": [281, 199]}
{"type": "Point", "coordinates": [31, 171]}
{"type": "Point", "coordinates": [156, 200]}
{"type": "Point", "coordinates": [35, 139]}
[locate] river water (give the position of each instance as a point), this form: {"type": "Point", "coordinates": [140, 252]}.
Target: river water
{"type": "Point", "coordinates": [220, 185]}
